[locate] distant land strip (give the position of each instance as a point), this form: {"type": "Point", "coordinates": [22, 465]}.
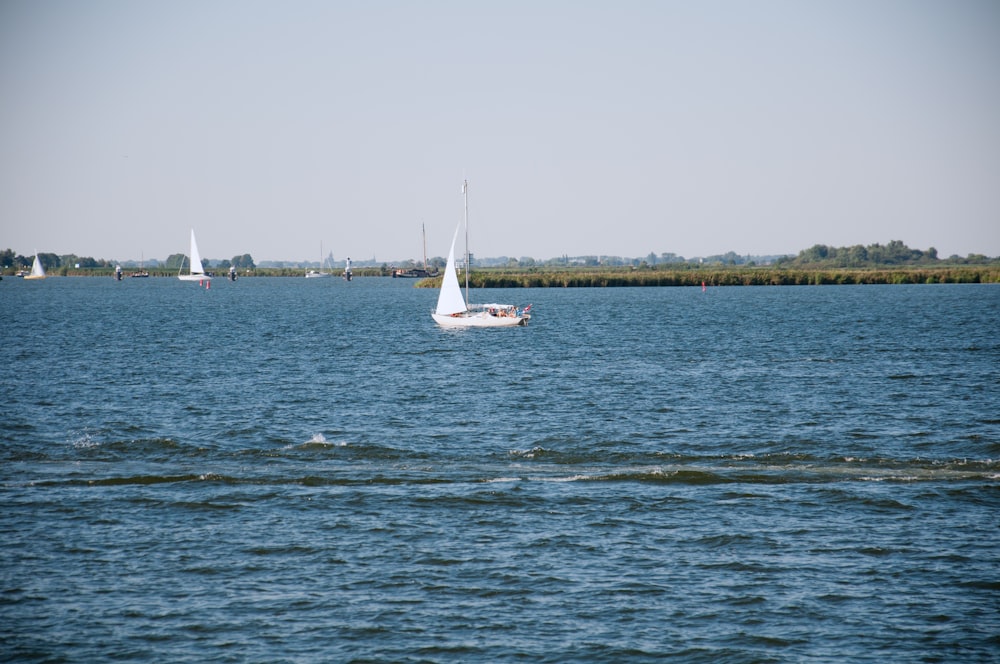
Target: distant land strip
{"type": "Point", "coordinates": [589, 277]}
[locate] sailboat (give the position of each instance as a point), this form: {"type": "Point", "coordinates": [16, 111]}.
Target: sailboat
{"type": "Point", "coordinates": [37, 271]}
{"type": "Point", "coordinates": [312, 274]}
{"type": "Point", "coordinates": [142, 273]}
{"type": "Point", "coordinates": [416, 272]}
{"type": "Point", "coordinates": [197, 271]}
{"type": "Point", "coordinates": [453, 309]}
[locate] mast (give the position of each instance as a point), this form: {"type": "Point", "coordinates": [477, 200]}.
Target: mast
{"type": "Point", "coordinates": [423, 231]}
{"type": "Point", "coordinates": [465, 193]}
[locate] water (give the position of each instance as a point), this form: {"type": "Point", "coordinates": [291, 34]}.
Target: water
{"type": "Point", "coordinates": [300, 470]}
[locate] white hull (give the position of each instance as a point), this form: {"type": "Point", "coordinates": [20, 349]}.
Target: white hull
{"type": "Point", "coordinates": [194, 277]}
{"type": "Point", "coordinates": [479, 319]}
{"type": "Point", "coordinates": [316, 275]}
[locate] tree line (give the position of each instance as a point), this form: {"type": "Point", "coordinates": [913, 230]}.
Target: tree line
{"type": "Point", "coordinates": [875, 255]}
{"type": "Point", "coordinates": [12, 262]}
{"type": "Point", "coordinates": [819, 256]}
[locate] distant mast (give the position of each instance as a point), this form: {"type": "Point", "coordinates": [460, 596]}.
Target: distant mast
{"type": "Point", "coordinates": [465, 193]}
{"type": "Point", "coordinates": [423, 231]}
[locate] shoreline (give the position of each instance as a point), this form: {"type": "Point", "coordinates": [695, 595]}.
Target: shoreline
{"type": "Point", "coordinates": [644, 277]}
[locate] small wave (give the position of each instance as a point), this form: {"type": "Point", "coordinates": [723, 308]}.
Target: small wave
{"type": "Point", "coordinates": [143, 480]}
{"type": "Point", "coordinates": [528, 454]}
{"type": "Point", "coordinates": [318, 441]}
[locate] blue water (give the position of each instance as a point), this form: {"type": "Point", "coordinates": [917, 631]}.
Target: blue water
{"type": "Point", "coordinates": [310, 470]}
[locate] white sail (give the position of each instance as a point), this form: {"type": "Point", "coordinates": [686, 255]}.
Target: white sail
{"type": "Point", "coordinates": [197, 271]}
{"type": "Point", "coordinates": [450, 300]}
{"type": "Point", "coordinates": [37, 271]}
{"type": "Point", "coordinates": [196, 267]}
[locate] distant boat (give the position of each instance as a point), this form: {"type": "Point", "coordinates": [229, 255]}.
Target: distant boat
{"type": "Point", "coordinates": [453, 309]}
{"type": "Point", "coordinates": [37, 271]}
{"type": "Point", "coordinates": [416, 272]}
{"type": "Point", "coordinates": [313, 274]}
{"type": "Point", "coordinates": [141, 274]}
{"type": "Point", "coordinates": [197, 271]}
{"type": "Point", "coordinates": [412, 273]}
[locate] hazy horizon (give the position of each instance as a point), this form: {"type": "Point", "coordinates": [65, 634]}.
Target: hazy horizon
{"type": "Point", "coordinates": [621, 129]}
{"type": "Point", "coordinates": [357, 260]}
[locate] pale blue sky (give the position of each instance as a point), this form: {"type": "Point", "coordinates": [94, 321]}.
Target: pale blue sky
{"type": "Point", "coordinates": [583, 127]}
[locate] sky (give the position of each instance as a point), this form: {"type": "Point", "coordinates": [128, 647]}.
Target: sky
{"type": "Point", "coordinates": [583, 127]}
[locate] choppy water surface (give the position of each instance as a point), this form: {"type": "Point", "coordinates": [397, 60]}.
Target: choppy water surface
{"type": "Point", "coordinates": [309, 470]}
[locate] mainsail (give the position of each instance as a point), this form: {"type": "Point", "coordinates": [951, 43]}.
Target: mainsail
{"type": "Point", "coordinates": [450, 300]}
{"type": "Point", "coordinates": [196, 267]}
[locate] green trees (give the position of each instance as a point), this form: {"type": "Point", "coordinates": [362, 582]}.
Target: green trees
{"type": "Point", "coordinates": [244, 262]}
{"type": "Point", "coordinates": [874, 255]}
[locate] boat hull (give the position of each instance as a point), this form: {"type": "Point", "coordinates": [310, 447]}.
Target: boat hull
{"type": "Point", "coordinates": [194, 277]}
{"type": "Point", "coordinates": [479, 319]}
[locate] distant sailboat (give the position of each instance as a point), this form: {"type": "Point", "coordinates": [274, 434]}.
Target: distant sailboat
{"type": "Point", "coordinates": [312, 274]}
{"type": "Point", "coordinates": [197, 271]}
{"type": "Point", "coordinates": [141, 274]}
{"type": "Point", "coordinates": [416, 272]}
{"type": "Point", "coordinates": [453, 309]}
{"type": "Point", "coordinates": [37, 271]}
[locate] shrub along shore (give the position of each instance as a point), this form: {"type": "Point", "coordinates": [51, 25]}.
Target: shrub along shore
{"type": "Point", "coordinates": [723, 276]}
{"type": "Point", "coordinates": [589, 277]}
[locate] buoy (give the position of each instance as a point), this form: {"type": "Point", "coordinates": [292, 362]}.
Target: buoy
{"type": "Point", "coordinates": [208, 284]}
{"type": "Point", "coordinates": [703, 287]}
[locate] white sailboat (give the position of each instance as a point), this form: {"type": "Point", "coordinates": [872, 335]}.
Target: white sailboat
{"type": "Point", "coordinates": [37, 271]}
{"type": "Point", "coordinates": [312, 274]}
{"type": "Point", "coordinates": [197, 271]}
{"type": "Point", "coordinates": [453, 309]}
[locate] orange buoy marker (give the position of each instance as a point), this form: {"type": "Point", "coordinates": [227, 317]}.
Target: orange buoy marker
{"type": "Point", "coordinates": [703, 287]}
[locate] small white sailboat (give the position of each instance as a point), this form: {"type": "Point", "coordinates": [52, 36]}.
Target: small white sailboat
{"type": "Point", "coordinates": [453, 309]}
{"type": "Point", "coordinates": [313, 274]}
{"type": "Point", "coordinates": [37, 271]}
{"type": "Point", "coordinates": [197, 271]}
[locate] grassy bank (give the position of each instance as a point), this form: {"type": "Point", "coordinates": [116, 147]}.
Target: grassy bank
{"type": "Point", "coordinates": [736, 276]}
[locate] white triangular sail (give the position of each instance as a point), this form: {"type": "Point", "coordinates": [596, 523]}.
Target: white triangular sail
{"type": "Point", "coordinates": [196, 267]}
{"type": "Point", "coordinates": [197, 271]}
{"type": "Point", "coordinates": [37, 271]}
{"type": "Point", "coordinates": [450, 300]}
